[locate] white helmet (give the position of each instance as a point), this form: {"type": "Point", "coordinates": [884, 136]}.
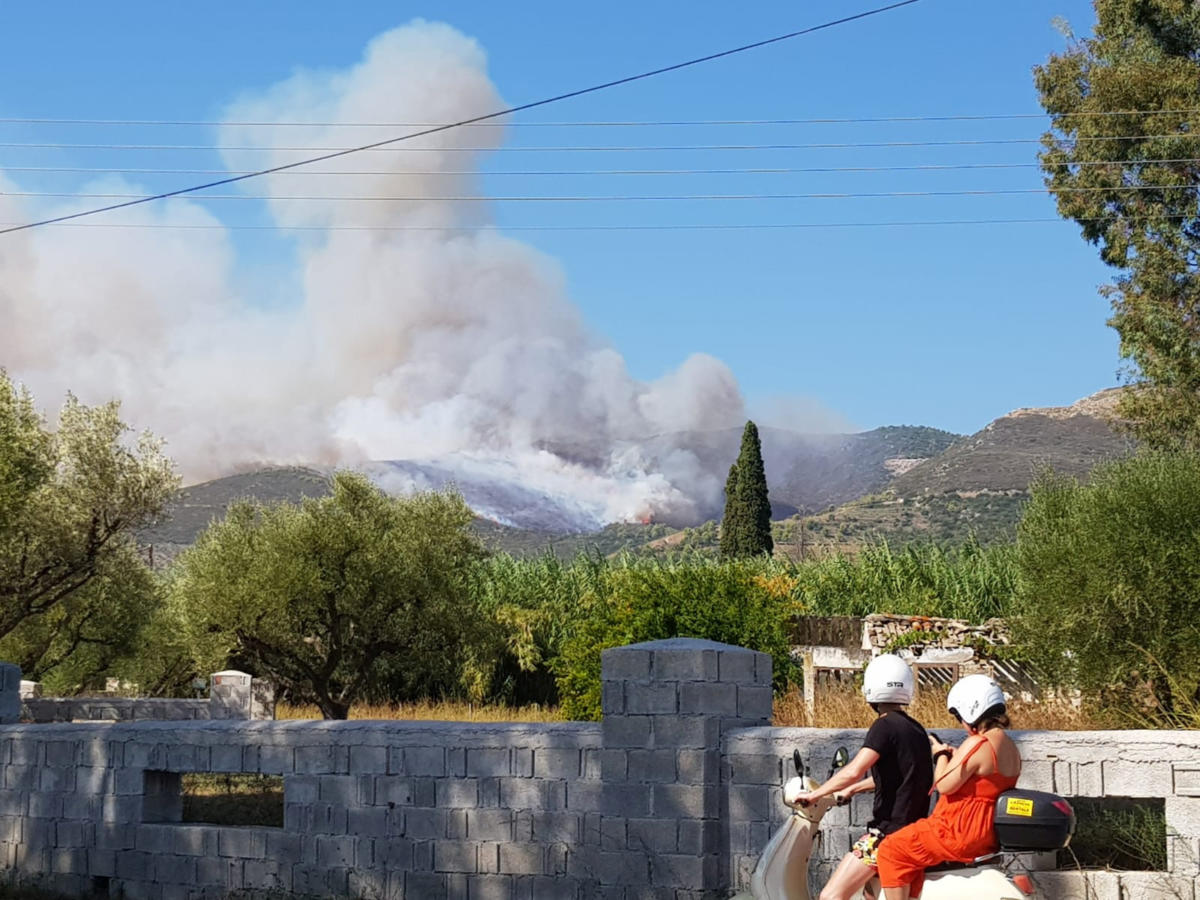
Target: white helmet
{"type": "Point", "coordinates": [973, 696]}
{"type": "Point", "coordinates": [888, 679]}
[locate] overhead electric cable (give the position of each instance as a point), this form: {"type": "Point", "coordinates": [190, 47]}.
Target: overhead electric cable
{"type": "Point", "coordinates": [874, 120]}
{"type": "Point", "coordinates": [335, 152]}
{"type": "Point", "coordinates": [736, 226]}
{"type": "Point", "coordinates": [931, 167]}
{"type": "Point", "coordinates": [610, 198]}
{"type": "Point", "coordinates": [483, 118]}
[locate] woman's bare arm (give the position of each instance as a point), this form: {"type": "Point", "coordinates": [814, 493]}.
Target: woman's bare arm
{"type": "Point", "coordinates": [949, 775]}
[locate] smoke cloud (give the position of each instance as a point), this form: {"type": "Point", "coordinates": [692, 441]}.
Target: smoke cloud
{"type": "Point", "coordinates": [459, 347]}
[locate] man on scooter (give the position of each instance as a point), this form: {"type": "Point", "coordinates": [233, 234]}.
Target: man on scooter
{"type": "Point", "coordinates": [893, 762]}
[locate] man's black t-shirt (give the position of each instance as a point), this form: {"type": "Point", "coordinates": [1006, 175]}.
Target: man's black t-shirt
{"type": "Point", "coordinates": [904, 773]}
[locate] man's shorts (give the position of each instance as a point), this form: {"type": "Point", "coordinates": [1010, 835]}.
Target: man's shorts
{"type": "Point", "coordinates": [866, 846]}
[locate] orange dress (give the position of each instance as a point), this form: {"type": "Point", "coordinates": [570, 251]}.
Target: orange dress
{"type": "Point", "coordinates": [959, 830]}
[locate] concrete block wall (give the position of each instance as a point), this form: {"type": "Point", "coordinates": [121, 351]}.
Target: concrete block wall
{"type": "Point", "coordinates": [378, 809]}
{"type": "Point", "coordinates": [671, 797]}
{"type": "Point", "coordinates": [1145, 764]}
{"type": "Point", "coordinates": [233, 695]}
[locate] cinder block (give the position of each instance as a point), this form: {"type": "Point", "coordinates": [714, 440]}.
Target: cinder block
{"type": "Point", "coordinates": [1183, 855]}
{"type": "Point", "coordinates": [737, 665]}
{"type": "Point", "coordinates": [522, 762]}
{"type": "Point", "coordinates": [684, 801]}
{"type": "Point", "coordinates": [455, 856]}
{"type": "Point", "coordinates": [368, 760]}
{"type": "Point", "coordinates": [191, 840]}
{"type": "Point", "coordinates": [21, 778]}
{"type": "Point", "coordinates": [612, 698]}
{"type": "Point", "coordinates": [652, 835]}
{"type": "Point", "coordinates": [627, 731]}
{"type": "Point", "coordinates": [45, 806]}
{"type": "Point", "coordinates": [556, 827]}
{"type": "Point", "coordinates": [631, 800]}
{"type": "Point", "coordinates": [335, 850]}
{"type": "Point", "coordinates": [656, 766]}
{"type": "Point", "coordinates": [155, 838]}
{"type": "Point", "coordinates": [102, 863]}
{"type": "Point", "coordinates": [266, 875]}
{"type": "Point", "coordinates": [68, 861]}
{"type": "Point", "coordinates": [61, 753]}
{"type": "Point", "coordinates": [490, 887]}
{"type": "Point", "coordinates": [457, 792]}
{"type": "Point", "coordinates": [301, 789]}
{"type": "Point", "coordinates": [242, 843]}
{"type": "Point", "coordinates": [685, 664]}
{"type": "Point", "coordinates": [187, 758]}
{"type": "Point", "coordinates": [757, 769]}
{"type": "Point", "coordinates": [368, 821]}
{"type": "Point", "coordinates": [134, 865]}
{"type": "Point", "coordinates": [556, 763]}
{"type": "Point", "coordinates": [219, 872]}
{"type": "Point", "coordinates": [584, 796]}
{"type": "Point", "coordinates": [490, 825]}
{"type": "Point", "coordinates": [390, 789]}
{"type": "Point", "coordinates": [1183, 815]}
{"type": "Point", "coordinates": [521, 859]}
{"type": "Point", "coordinates": [1128, 778]}
{"type": "Point", "coordinates": [394, 853]}
{"type": "Point", "coordinates": [225, 758]}
{"type": "Point", "coordinates": [1062, 778]}
{"type": "Point", "coordinates": [625, 663]}
{"type": "Point", "coordinates": [273, 760]}
{"type": "Point", "coordinates": [345, 790]}
{"type": "Point", "coordinates": [424, 824]}
{"type": "Point", "coordinates": [489, 858]}
{"type": "Point", "coordinates": [487, 762]}
{"type": "Point", "coordinates": [92, 779]}
{"type": "Point", "coordinates": [1087, 779]}
{"type": "Point", "coordinates": [749, 804]}
{"type": "Point", "coordinates": [431, 885]}
{"type": "Point", "coordinates": [755, 701]}
{"type": "Point", "coordinates": [1156, 886]}
{"type": "Point", "coordinates": [456, 762]}
{"type": "Point", "coordinates": [688, 872]}
{"type": "Point", "coordinates": [172, 869]}
{"type": "Point", "coordinates": [708, 698]}
{"type": "Point", "coordinates": [684, 732]}
{"type": "Point", "coordinates": [652, 698]}
{"type": "Point", "coordinates": [698, 836]}
{"type": "Point", "coordinates": [327, 759]}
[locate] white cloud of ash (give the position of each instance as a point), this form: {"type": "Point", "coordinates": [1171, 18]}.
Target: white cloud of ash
{"type": "Point", "coordinates": [456, 347]}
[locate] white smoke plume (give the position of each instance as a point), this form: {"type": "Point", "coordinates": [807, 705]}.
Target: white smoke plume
{"type": "Point", "coordinates": [456, 346]}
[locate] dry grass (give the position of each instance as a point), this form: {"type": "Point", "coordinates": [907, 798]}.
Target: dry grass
{"type": "Point", "coordinates": [439, 711]}
{"type": "Point", "coordinates": [844, 708]}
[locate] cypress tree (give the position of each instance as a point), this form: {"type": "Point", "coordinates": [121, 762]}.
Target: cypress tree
{"type": "Point", "coordinates": [729, 530]}
{"type": "Point", "coordinates": [746, 527]}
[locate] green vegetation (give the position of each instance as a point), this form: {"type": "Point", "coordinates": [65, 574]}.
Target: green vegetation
{"type": "Point", "coordinates": [1120, 160]}
{"type": "Point", "coordinates": [339, 599]}
{"type": "Point", "coordinates": [73, 587]}
{"type": "Point", "coordinates": [1118, 833]}
{"type": "Point", "coordinates": [1110, 571]}
{"type": "Point", "coordinates": [746, 525]}
{"type": "Point", "coordinates": [228, 799]}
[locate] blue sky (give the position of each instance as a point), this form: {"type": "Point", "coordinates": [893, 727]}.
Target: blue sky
{"type": "Point", "coordinates": [941, 325]}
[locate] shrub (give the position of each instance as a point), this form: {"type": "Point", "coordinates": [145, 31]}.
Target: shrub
{"type": "Point", "coordinates": [1109, 589]}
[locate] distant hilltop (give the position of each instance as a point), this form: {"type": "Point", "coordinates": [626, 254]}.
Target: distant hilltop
{"type": "Point", "coordinates": [899, 482]}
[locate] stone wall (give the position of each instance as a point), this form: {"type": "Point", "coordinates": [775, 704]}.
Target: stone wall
{"type": "Point", "coordinates": [232, 695]}
{"type": "Point", "coordinates": [671, 797]}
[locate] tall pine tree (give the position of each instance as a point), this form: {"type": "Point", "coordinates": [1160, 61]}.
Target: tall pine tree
{"type": "Point", "coordinates": [746, 527]}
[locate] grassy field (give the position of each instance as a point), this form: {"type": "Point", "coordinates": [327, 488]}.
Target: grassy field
{"type": "Point", "coordinates": [835, 709]}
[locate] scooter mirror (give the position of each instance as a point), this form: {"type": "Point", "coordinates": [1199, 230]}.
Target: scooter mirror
{"type": "Point", "coordinates": [840, 758]}
{"type": "Point", "coordinates": [798, 763]}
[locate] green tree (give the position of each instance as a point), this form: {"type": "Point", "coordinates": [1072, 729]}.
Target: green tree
{"type": "Point", "coordinates": [353, 596]}
{"type": "Point", "coordinates": [1122, 158]}
{"type": "Point", "coordinates": [1109, 580]}
{"type": "Point", "coordinates": [746, 525]}
{"type": "Point", "coordinates": [73, 588]}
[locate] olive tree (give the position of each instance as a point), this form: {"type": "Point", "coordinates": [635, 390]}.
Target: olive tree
{"type": "Point", "coordinates": [350, 596]}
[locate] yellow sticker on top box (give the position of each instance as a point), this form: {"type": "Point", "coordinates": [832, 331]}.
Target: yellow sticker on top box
{"type": "Point", "coordinates": [1018, 806]}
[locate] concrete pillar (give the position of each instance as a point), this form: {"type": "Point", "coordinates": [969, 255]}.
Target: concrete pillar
{"type": "Point", "coordinates": [236, 695]}
{"type": "Point", "coordinates": [10, 694]}
{"type": "Point", "coordinates": [666, 706]}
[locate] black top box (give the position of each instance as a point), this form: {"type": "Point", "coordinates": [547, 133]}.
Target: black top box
{"type": "Point", "coordinates": [1033, 820]}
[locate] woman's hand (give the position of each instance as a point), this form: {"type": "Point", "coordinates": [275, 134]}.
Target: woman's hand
{"type": "Point", "coordinates": [936, 746]}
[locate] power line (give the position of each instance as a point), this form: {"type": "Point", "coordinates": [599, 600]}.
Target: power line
{"type": "Point", "coordinates": [737, 226]}
{"type": "Point", "coordinates": [932, 167]}
{"type": "Point", "coordinates": [334, 152]}
{"type": "Point", "coordinates": [873, 120]}
{"type": "Point", "coordinates": [483, 118]}
{"type": "Point", "coordinates": [610, 198]}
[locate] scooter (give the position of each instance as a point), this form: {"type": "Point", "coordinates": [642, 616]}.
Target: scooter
{"type": "Point", "coordinates": [782, 870]}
